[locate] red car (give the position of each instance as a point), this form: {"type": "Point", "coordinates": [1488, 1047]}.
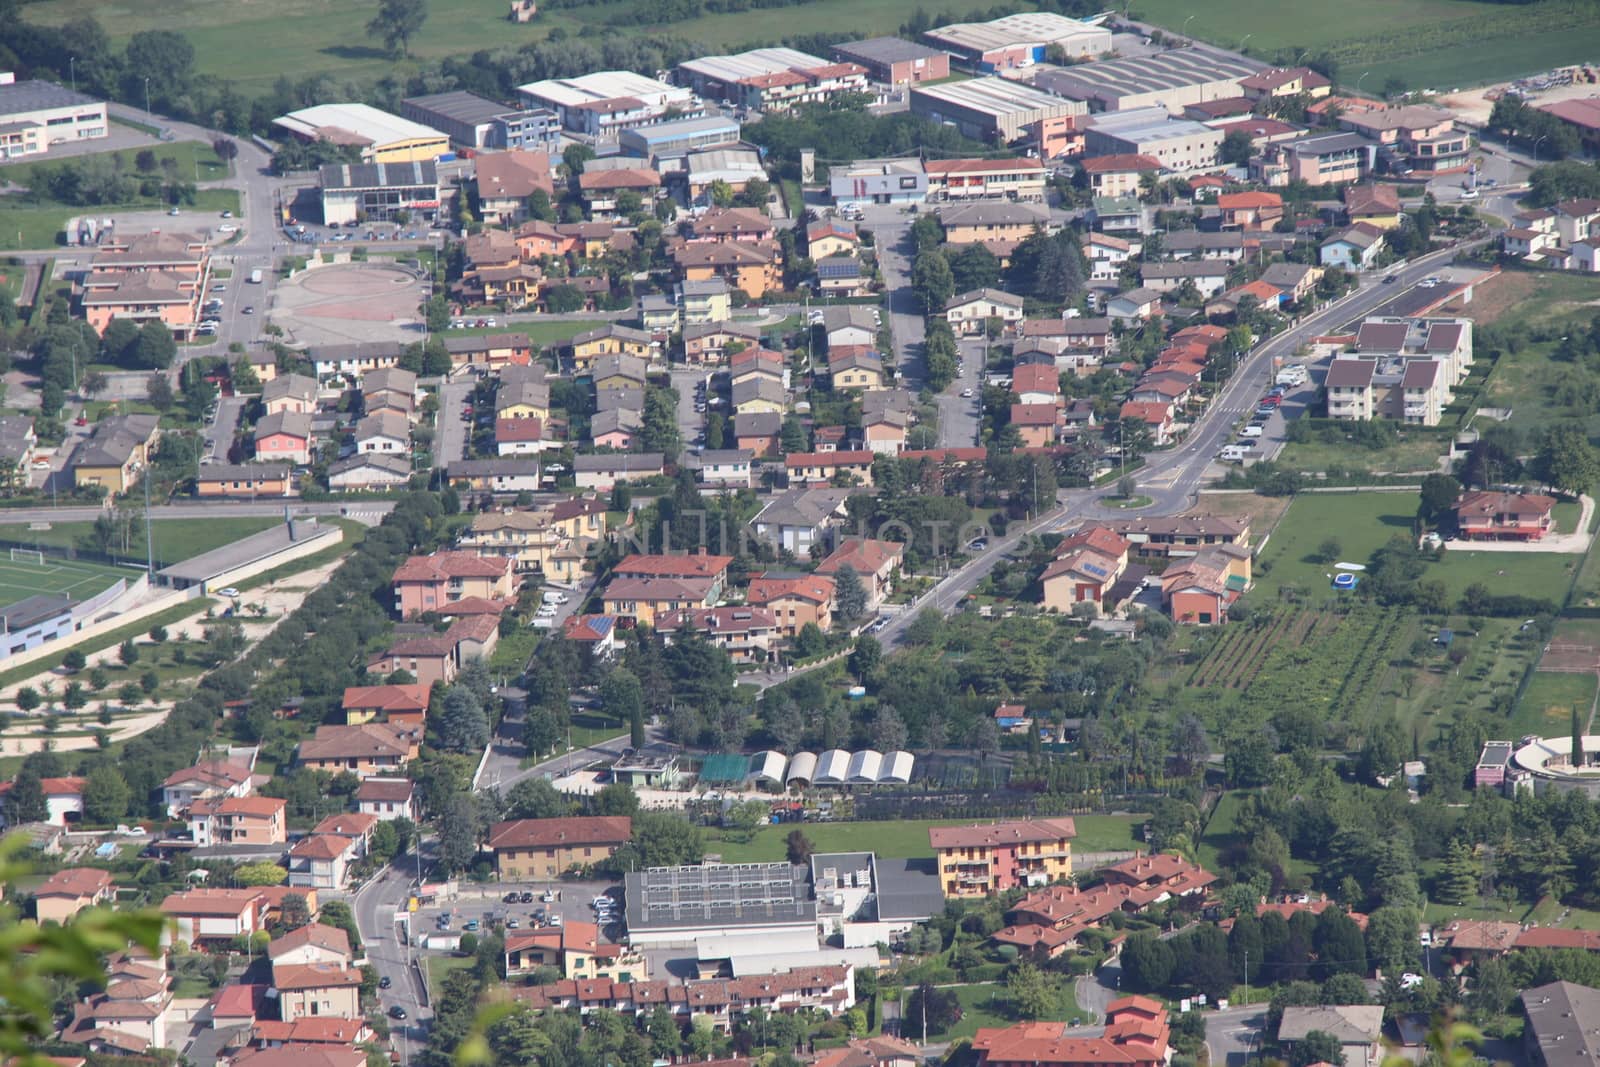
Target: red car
{"type": "Point", "coordinates": [1271, 400]}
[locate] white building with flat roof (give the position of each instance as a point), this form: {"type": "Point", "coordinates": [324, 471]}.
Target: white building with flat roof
{"type": "Point", "coordinates": [1180, 145]}
{"type": "Point", "coordinates": [607, 101]}
{"type": "Point", "coordinates": [1172, 80]}
{"type": "Point", "coordinates": [1019, 40]}
{"type": "Point", "coordinates": [382, 137]}
{"type": "Point", "coordinates": [37, 114]}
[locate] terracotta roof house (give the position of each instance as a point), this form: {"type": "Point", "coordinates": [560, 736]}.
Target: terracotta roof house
{"type": "Point", "coordinates": [988, 858]}
{"type": "Point", "coordinates": [312, 943]}
{"type": "Point", "coordinates": [373, 748]}
{"type": "Point", "coordinates": [70, 891]}
{"type": "Point", "coordinates": [407, 703]}
{"type": "Point", "coordinates": [875, 563]}
{"type": "Point", "coordinates": [387, 798]}
{"type": "Point", "coordinates": [526, 849]}
{"type": "Point", "coordinates": [795, 600]}
{"type": "Point", "coordinates": [1497, 516]}
{"type": "Point", "coordinates": [427, 583]}
{"type": "Point", "coordinates": [1136, 1035]}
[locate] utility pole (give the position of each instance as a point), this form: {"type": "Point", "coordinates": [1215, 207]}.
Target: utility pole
{"type": "Point", "coordinates": [149, 544]}
{"type": "Point", "coordinates": [1247, 976]}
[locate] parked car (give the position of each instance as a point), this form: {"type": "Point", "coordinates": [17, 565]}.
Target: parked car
{"type": "Point", "coordinates": [397, 1012]}
{"type": "Point", "coordinates": [385, 982]}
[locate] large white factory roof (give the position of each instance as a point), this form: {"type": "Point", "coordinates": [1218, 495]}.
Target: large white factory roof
{"type": "Point", "coordinates": [995, 96]}
{"type": "Point", "coordinates": [368, 123]}
{"type": "Point", "coordinates": [751, 64]}
{"type": "Point", "coordinates": [1024, 28]}
{"type": "Point", "coordinates": [603, 85]}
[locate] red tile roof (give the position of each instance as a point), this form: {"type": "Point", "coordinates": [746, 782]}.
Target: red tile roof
{"type": "Point", "coordinates": [672, 566]}
{"type": "Point", "coordinates": [75, 882]}
{"type": "Point", "coordinates": [992, 835]}
{"type": "Point", "coordinates": [1122, 162]}
{"type": "Point", "coordinates": [442, 566]}
{"type": "Point", "coordinates": [545, 833]}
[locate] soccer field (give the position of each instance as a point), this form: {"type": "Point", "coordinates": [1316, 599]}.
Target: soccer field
{"type": "Point", "coordinates": [24, 577]}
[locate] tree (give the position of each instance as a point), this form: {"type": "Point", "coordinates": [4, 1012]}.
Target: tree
{"type": "Point", "coordinates": [1237, 148]}
{"type": "Point", "coordinates": [105, 795]}
{"type": "Point", "coordinates": [574, 156]}
{"type": "Point", "coordinates": [338, 914]}
{"type": "Point", "coordinates": [226, 149]}
{"type": "Point", "coordinates": [295, 912]}
{"type": "Point", "coordinates": [850, 595]}
{"type": "Point", "coordinates": [27, 698]}
{"type": "Point", "coordinates": [1458, 876]}
{"type": "Point", "coordinates": [1147, 963]}
{"type": "Point", "coordinates": [1439, 495]}
{"type": "Point", "coordinates": [74, 660]}
{"type": "Point", "coordinates": [622, 696]}
{"type": "Point", "coordinates": [25, 802]}
{"type": "Point", "coordinates": [660, 839]}
{"type": "Point", "coordinates": [617, 798]}
{"type": "Point", "coordinates": [463, 724]}
{"type": "Point", "coordinates": [1033, 993]}
{"type": "Point", "coordinates": [536, 798]}
{"type": "Point", "coordinates": [798, 847]}
{"type": "Point", "coordinates": [128, 652]}
{"type": "Point", "coordinates": [254, 874]}
{"type": "Point", "coordinates": [932, 281]}
{"type": "Point", "coordinates": [155, 349]}
{"type": "Point", "coordinates": [396, 22]}
{"type": "Point", "coordinates": [1318, 1046]}
{"type": "Point", "coordinates": [158, 390]}
{"type": "Point", "coordinates": [930, 1010]}
{"type": "Point", "coordinates": [1566, 461]}
{"type": "Point", "coordinates": [458, 833]}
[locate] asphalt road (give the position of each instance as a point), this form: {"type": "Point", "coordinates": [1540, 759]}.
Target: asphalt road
{"type": "Point", "coordinates": [455, 429]}
{"type": "Point", "coordinates": [219, 432]}
{"type": "Point", "coordinates": [375, 906]}
{"type": "Point", "coordinates": [210, 509]}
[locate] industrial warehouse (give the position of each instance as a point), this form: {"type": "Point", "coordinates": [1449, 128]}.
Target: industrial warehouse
{"type": "Point", "coordinates": [1173, 80]}
{"type": "Point", "coordinates": [992, 109]}
{"type": "Point", "coordinates": [1019, 40]}
{"type": "Point", "coordinates": [377, 191]}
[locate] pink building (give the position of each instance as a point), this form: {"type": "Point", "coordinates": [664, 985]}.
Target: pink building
{"type": "Point", "coordinates": [151, 277]}
{"type": "Point", "coordinates": [430, 583]}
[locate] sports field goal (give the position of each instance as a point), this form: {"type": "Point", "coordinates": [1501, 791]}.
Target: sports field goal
{"type": "Point", "coordinates": [27, 555]}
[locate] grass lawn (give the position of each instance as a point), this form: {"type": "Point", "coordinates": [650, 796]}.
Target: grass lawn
{"type": "Point", "coordinates": [981, 1006]}
{"type": "Point", "coordinates": [439, 966]}
{"type": "Point", "coordinates": [1546, 707]}
{"type": "Point", "coordinates": [1221, 832]}
{"type": "Point", "coordinates": [554, 332]}
{"type": "Point", "coordinates": [251, 45]}
{"type": "Point", "coordinates": [194, 162]}
{"type": "Point", "coordinates": [175, 539]}
{"type": "Point", "coordinates": [1437, 44]}
{"type": "Point", "coordinates": [1362, 522]}
{"type": "Point", "coordinates": [1418, 454]}
{"type": "Point", "coordinates": [35, 226]}
{"type": "Point", "coordinates": [905, 838]}
{"type": "Point", "coordinates": [22, 578]}
{"type": "Point", "coordinates": [107, 640]}
{"type": "Point", "coordinates": [1527, 381]}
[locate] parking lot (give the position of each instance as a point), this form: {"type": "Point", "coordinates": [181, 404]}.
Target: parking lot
{"type": "Point", "coordinates": [477, 908]}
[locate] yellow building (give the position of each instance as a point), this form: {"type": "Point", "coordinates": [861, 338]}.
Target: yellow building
{"type": "Point", "coordinates": [545, 849]}
{"type": "Point", "coordinates": [977, 861]}
{"type": "Point", "coordinates": [115, 452]}
{"type": "Point", "coordinates": [609, 340]}
{"type": "Point", "coordinates": [381, 137]}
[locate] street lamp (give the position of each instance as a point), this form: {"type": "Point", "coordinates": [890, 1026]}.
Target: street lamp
{"type": "Point", "coordinates": [147, 96]}
{"type": "Point", "coordinates": [1536, 144]}
{"type": "Point", "coordinates": [72, 68]}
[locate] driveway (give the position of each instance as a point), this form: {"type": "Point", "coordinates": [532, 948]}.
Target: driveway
{"type": "Point", "coordinates": [690, 421]}
{"type": "Point", "coordinates": [219, 433]}
{"type": "Point", "coordinates": [454, 428]}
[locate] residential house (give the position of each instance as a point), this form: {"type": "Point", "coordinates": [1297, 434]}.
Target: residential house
{"type": "Point", "coordinates": [521, 437]}
{"type": "Point", "coordinates": [884, 431]}
{"type": "Point", "coordinates": [392, 389]}
{"type": "Point", "coordinates": [322, 861]}
{"type": "Point", "coordinates": [230, 820]}
{"type": "Point", "coordinates": [215, 914]}
{"type": "Point", "coordinates": [997, 225]}
{"type": "Point", "coordinates": [428, 583]}
{"type": "Point", "coordinates": [795, 600]}
{"type": "Point", "coordinates": [608, 340]}
{"type": "Point", "coordinates": [1209, 276]}
{"type": "Point", "coordinates": [522, 396]}
{"type": "Point", "coordinates": [696, 566]}
{"type": "Point", "coordinates": [373, 749]}
{"type": "Point", "coordinates": [1136, 1034]}
{"type": "Point", "coordinates": [1163, 874]}
{"type": "Point", "coordinates": [1108, 254]}
{"type": "Point", "coordinates": [285, 436]}
{"type": "Point", "coordinates": [527, 850]}
{"type": "Point", "coordinates": [801, 517]}
{"type": "Point", "coordinates": [1134, 305]}
{"type": "Point", "coordinates": [1036, 383]}
{"type": "Point", "coordinates": [841, 276]}
{"type": "Point", "coordinates": [723, 467]}
{"type": "Point", "coordinates": [985, 859]}
{"type": "Point", "coordinates": [970, 313]}
{"type": "Point", "coordinates": [1296, 281]}
{"type": "Point", "coordinates": [1470, 940]}
{"type": "Point", "coordinates": [316, 990]}
{"type": "Point", "coordinates": [209, 779]}
{"type": "Point", "coordinates": [825, 989]}
{"type": "Point", "coordinates": [747, 634]}
{"type": "Point", "coordinates": [1563, 1018]}
{"type": "Point", "coordinates": [1253, 211]}
{"type": "Point", "coordinates": [831, 237]}
{"type": "Point", "coordinates": [148, 277]}
{"type": "Point", "coordinates": [812, 468]}
{"type": "Point", "coordinates": [709, 342]}
{"type": "Point", "coordinates": [977, 179]}
{"type": "Point", "coordinates": [849, 324]}
{"type": "Point", "coordinates": [246, 481]}
{"type": "Point", "coordinates": [573, 948]}
{"type": "Point", "coordinates": [1354, 248]}
{"type": "Point", "coordinates": [385, 433]}
{"type": "Point", "coordinates": [596, 633]}
{"type": "Point", "coordinates": [603, 472]}
{"type": "Point", "coordinates": [1225, 245]}
{"type": "Point", "coordinates": [529, 538]}
{"type": "Point", "coordinates": [602, 190]}
{"type": "Point", "coordinates": [643, 599]}
{"type": "Point", "coordinates": [1037, 425]}
{"type": "Point", "coordinates": [1012, 718]}
{"type": "Point", "coordinates": [69, 891]}
{"type": "Point", "coordinates": [406, 703]}
{"type": "Point", "coordinates": [704, 302]}
{"type": "Point", "coordinates": [619, 371]}
{"type": "Point", "coordinates": [373, 472]}
{"type": "Point", "coordinates": [505, 180]}
{"type": "Point", "coordinates": [1118, 215]}
{"type": "Point", "coordinates": [312, 943]}
{"type": "Point", "coordinates": [1358, 1028]}
{"type": "Point", "coordinates": [291, 392]}
{"type": "Point", "coordinates": [494, 350]}
{"type": "Point", "coordinates": [1087, 565]}
{"type": "Point", "coordinates": [758, 432]}
{"type": "Point", "coordinates": [1118, 174]}
{"type": "Point", "coordinates": [509, 474]}
{"type": "Point", "coordinates": [1157, 537]}
{"type": "Point", "coordinates": [855, 368]}
{"type": "Point", "coordinates": [1424, 137]}
{"type": "Point", "coordinates": [753, 267]}
{"type": "Point", "coordinates": [116, 451]}
{"type": "Point", "coordinates": [722, 224]}
{"type": "Point", "coordinates": [388, 799]}
{"type": "Point", "coordinates": [1499, 516]}
{"type": "Point", "coordinates": [756, 394]}
{"type": "Point", "coordinates": [1200, 589]}
{"type": "Point", "coordinates": [1157, 417]}
{"type": "Point", "coordinates": [1374, 203]}
{"type": "Point", "coordinates": [1286, 81]}
{"type": "Point", "coordinates": [428, 659]}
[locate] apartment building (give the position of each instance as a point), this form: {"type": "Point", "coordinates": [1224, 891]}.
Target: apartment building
{"type": "Point", "coordinates": [429, 583]}
{"type": "Point", "coordinates": [248, 820]}
{"type": "Point", "coordinates": [150, 277]}
{"type": "Point", "coordinates": [980, 860]}
{"type": "Point", "coordinates": [545, 849]}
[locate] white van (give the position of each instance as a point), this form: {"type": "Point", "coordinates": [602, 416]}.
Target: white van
{"type": "Point", "coordinates": [1234, 454]}
{"type": "Point", "coordinates": [553, 597]}
{"type": "Point", "coordinates": [1295, 375]}
{"type": "Point", "coordinates": [1251, 430]}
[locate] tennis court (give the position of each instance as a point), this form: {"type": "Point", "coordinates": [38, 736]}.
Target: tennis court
{"type": "Point", "coordinates": [23, 575]}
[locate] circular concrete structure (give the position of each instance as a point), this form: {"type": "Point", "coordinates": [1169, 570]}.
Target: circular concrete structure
{"type": "Point", "coordinates": [1547, 763]}
{"type": "Point", "coordinates": [347, 302]}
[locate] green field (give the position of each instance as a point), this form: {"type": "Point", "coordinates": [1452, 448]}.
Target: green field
{"type": "Point", "coordinates": [22, 578]}
{"type": "Point", "coordinates": [252, 45]}
{"type": "Point", "coordinates": [1362, 522]}
{"type": "Point", "coordinates": [194, 162]}
{"type": "Point", "coordinates": [1419, 454]}
{"type": "Point", "coordinates": [1529, 381]}
{"type": "Point", "coordinates": [1546, 706]}
{"type": "Point", "coordinates": [905, 838]}
{"type": "Point", "coordinates": [175, 539]}
{"type": "Point", "coordinates": [1437, 44]}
